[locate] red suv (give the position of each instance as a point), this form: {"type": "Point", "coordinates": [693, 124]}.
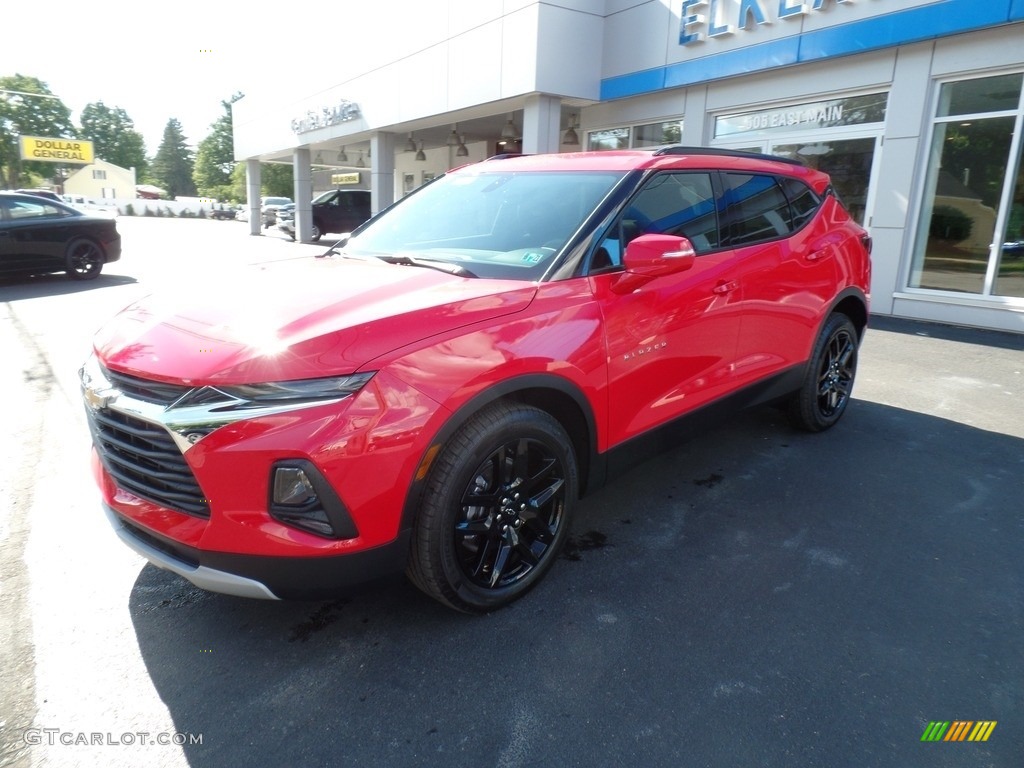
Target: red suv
{"type": "Point", "coordinates": [438, 393]}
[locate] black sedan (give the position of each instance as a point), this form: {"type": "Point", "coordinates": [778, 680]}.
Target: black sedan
{"type": "Point", "coordinates": [39, 235]}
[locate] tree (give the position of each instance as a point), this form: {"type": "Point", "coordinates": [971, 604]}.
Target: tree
{"type": "Point", "coordinates": [25, 114]}
{"type": "Point", "coordinates": [172, 166]}
{"type": "Point", "coordinates": [215, 159]}
{"type": "Point", "coordinates": [114, 136]}
{"type": "Point", "coordinates": [276, 180]}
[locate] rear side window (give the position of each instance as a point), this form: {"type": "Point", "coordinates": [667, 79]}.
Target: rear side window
{"type": "Point", "coordinates": [803, 201]}
{"type": "Point", "coordinates": [756, 208]}
{"type": "Point", "coordinates": [20, 210]}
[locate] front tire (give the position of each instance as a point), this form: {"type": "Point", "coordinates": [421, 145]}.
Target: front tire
{"type": "Point", "coordinates": [496, 509]}
{"type": "Point", "coordinates": [84, 259]}
{"type": "Point", "coordinates": [316, 233]}
{"type": "Point", "coordinates": [825, 393]}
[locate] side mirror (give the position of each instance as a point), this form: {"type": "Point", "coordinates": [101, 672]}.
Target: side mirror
{"type": "Point", "coordinates": [651, 256]}
{"type": "Point", "coordinates": [657, 255]}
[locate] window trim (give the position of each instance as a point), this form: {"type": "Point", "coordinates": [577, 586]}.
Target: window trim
{"type": "Point", "coordinates": [914, 220]}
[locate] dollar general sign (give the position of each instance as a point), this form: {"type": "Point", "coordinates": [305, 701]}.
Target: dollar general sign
{"type": "Point", "coordinates": [56, 150]}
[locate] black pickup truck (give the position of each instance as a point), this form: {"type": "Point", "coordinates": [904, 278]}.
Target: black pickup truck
{"type": "Point", "coordinates": [222, 211]}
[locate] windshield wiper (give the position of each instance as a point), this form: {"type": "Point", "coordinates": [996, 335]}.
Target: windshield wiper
{"type": "Point", "coordinates": [417, 261]}
{"type": "Point", "coordinates": [403, 259]}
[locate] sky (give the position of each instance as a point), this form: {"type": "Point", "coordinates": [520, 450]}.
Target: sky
{"type": "Point", "coordinates": [183, 63]}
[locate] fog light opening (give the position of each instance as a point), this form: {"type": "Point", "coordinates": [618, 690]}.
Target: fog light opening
{"type": "Point", "coordinates": [292, 488]}
{"type": "Point", "coordinates": [300, 496]}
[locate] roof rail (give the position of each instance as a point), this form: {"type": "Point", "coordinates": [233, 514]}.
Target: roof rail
{"type": "Point", "coordinates": [677, 149]}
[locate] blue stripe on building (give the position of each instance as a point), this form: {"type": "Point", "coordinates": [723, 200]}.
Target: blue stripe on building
{"type": "Point", "coordinates": [911, 25]}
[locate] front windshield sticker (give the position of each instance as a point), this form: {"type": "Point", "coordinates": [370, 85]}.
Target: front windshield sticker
{"type": "Point", "coordinates": [532, 257]}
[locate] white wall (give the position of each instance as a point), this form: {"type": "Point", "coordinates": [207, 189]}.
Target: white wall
{"type": "Point", "coordinates": [479, 52]}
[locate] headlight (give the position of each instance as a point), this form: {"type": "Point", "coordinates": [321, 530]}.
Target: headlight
{"type": "Point", "coordinates": [303, 390]}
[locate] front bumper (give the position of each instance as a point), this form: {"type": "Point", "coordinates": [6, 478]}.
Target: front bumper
{"type": "Point", "coordinates": [265, 577]}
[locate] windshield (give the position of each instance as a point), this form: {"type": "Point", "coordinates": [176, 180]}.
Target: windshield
{"type": "Point", "coordinates": [494, 224]}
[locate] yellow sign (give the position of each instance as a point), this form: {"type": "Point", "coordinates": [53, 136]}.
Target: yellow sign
{"type": "Point", "coordinates": [344, 178]}
{"type": "Point", "coordinates": [77, 151]}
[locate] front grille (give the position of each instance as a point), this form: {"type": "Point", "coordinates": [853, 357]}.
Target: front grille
{"type": "Point", "coordinates": [144, 389]}
{"type": "Point", "coordinates": [142, 459]}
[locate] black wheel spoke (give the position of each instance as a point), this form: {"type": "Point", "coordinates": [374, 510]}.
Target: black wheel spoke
{"type": "Point", "coordinates": [545, 495]}
{"type": "Point", "coordinates": [482, 560]}
{"type": "Point", "coordinates": [510, 513]}
{"type": "Point", "coordinates": [521, 463]}
{"type": "Point", "coordinates": [504, 550]}
{"type": "Point", "coordinates": [526, 552]}
{"type": "Point", "coordinates": [541, 531]}
{"type": "Point", "coordinates": [479, 498]}
{"type": "Point", "coordinates": [473, 528]}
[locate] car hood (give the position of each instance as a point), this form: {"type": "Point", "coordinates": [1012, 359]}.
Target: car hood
{"type": "Point", "coordinates": [301, 319]}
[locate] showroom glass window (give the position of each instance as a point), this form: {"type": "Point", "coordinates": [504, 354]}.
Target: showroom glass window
{"type": "Point", "coordinates": [971, 233]}
{"type": "Point", "coordinates": [636, 136]}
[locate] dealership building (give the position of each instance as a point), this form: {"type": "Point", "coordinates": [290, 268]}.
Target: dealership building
{"type": "Point", "coordinates": [914, 107]}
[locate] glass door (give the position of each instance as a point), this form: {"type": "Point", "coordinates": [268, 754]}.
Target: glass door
{"type": "Point", "coordinates": [850, 163]}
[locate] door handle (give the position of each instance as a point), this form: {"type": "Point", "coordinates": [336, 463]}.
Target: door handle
{"type": "Point", "coordinates": [725, 287]}
{"type": "Point", "coordinates": [819, 254]}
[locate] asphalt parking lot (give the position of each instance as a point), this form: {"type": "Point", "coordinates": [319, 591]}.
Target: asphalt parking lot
{"type": "Point", "coordinates": [755, 597]}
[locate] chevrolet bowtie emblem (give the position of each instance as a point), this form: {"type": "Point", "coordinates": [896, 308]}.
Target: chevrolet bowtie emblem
{"type": "Point", "coordinates": [98, 399]}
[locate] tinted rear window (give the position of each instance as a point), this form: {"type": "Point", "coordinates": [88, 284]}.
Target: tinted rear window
{"type": "Point", "coordinates": [756, 208]}
{"type": "Point", "coordinates": [803, 201]}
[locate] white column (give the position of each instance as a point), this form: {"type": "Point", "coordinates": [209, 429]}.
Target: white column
{"type": "Point", "coordinates": [694, 123]}
{"type": "Point", "coordinates": [542, 120]}
{"type": "Point", "coordinates": [302, 175]}
{"type": "Point", "coordinates": [382, 171]}
{"type": "Point", "coordinates": [252, 195]}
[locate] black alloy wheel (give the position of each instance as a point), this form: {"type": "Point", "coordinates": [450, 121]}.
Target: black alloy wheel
{"type": "Point", "coordinates": [84, 259]}
{"type": "Point", "coordinates": [496, 510]}
{"type": "Point", "coordinates": [823, 398]}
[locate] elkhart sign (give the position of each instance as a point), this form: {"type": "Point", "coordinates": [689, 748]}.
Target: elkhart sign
{"type": "Point", "coordinates": [701, 19]}
{"type": "Point", "coordinates": [341, 112]}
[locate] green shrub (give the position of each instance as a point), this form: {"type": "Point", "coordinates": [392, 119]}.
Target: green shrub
{"type": "Point", "coordinates": [949, 223]}
{"type": "Point", "coordinates": [129, 210]}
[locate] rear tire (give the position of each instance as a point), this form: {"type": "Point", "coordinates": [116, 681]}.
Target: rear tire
{"type": "Point", "coordinates": [825, 393]}
{"type": "Point", "coordinates": [84, 259]}
{"type": "Point", "coordinates": [496, 509]}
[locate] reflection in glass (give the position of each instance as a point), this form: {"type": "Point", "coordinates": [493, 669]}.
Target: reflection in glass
{"type": "Point", "coordinates": [965, 180]}
{"type": "Point", "coordinates": [658, 134]}
{"type": "Point", "coordinates": [612, 138]}
{"type": "Point", "coordinates": [1010, 276]}
{"type": "Point", "coordinates": [986, 94]}
{"type": "Point", "coordinates": [847, 162]}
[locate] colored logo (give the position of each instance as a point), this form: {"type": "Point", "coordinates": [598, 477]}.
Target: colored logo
{"type": "Point", "coordinates": [958, 730]}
